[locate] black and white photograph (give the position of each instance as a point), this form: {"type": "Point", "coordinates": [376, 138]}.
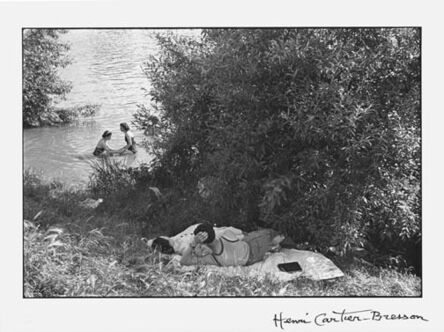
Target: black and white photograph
{"type": "Point", "coordinates": [221, 162]}
{"type": "Point", "coordinates": [224, 166]}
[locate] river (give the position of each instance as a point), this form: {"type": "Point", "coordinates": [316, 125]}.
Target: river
{"type": "Point", "coordinates": [106, 69]}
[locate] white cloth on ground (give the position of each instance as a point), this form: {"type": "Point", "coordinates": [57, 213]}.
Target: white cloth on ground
{"type": "Point", "coordinates": [314, 266]}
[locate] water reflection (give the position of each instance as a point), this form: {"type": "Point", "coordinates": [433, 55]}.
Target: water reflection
{"type": "Point", "coordinates": [106, 70]}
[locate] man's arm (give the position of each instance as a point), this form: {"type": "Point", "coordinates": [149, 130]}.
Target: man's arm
{"type": "Point", "coordinates": [189, 257]}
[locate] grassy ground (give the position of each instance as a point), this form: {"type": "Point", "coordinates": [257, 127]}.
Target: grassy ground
{"type": "Point", "coordinates": [71, 250]}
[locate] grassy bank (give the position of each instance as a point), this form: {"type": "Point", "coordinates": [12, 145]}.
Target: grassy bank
{"type": "Point", "coordinates": [71, 249]}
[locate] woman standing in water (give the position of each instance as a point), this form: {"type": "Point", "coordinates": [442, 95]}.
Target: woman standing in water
{"type": "Point", "coordinates": [102, 148]}
{"type": "Point", "coordinates": [129, 139]}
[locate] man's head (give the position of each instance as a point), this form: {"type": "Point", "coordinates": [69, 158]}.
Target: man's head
{"type": "Point", "coordinates": [162, 245]}
{"type": "Point", "coordinates": [208, 229]}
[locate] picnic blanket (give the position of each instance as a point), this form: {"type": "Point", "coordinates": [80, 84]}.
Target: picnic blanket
{"type": "Point", "coordinates": [314, 266]}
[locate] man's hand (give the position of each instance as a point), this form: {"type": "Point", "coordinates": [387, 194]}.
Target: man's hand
{"type": "Point", "coordinates": [198, 253]}
{"type": "Point", "coordinates": [200, 237]}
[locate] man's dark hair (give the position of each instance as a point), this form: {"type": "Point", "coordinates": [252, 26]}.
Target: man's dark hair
{"type": "Point", "coordinates": [207, 228]}
{"type": "Point", "coordinates": [162, 245]}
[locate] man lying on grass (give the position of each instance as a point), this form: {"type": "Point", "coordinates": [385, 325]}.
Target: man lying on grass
{"type": "Point", "coordinates": [179, 243]}
{"type": "Point", "coordinates": [228, 249]}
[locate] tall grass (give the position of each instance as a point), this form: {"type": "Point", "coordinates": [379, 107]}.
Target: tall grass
{"type": "Point", "coordinates": [73, 250]}
{"type": "Point", "coordinates": [58, 264]}
{"type": "Point", "coordinates": [137, 194]}
{"type": "Point", "coordinates": [109, 177]}
{"type": "Point", "coordinates": [63, 264]}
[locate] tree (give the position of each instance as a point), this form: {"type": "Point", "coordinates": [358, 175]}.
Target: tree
{"type": "Point", "coordinates": [313, 131]}
{"type": "Point", "coordinates": [43, 55]}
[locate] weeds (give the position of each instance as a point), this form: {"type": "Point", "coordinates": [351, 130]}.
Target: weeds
{"type": "Point", "coordinates": [58, 264]}
{"type": "Point", "coordinates": [108, 177]}
{"type": "Point", "coordinates": [72, 251]}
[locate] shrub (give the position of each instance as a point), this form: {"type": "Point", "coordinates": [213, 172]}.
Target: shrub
{"type": "Point", "coordinates": [314, 131]}
{"type": "Point", "coordinates": [43, 55]}
{"type": "Point", "coordinates": [127, 192]}
{"type": "Point", "coordinates": [67, 115]}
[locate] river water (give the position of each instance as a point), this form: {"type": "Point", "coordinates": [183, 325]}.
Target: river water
{"type": "Point", "coordinates": [106, 70]}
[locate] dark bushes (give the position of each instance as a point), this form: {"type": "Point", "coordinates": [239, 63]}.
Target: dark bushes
{"type": "Point", "coordinates": [148, 199]}
{"type": "Point", "coordinates": [312, 131]}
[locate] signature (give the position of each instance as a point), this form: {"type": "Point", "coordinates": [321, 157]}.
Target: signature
{"type": "Point", "coordinates": [324, 318]}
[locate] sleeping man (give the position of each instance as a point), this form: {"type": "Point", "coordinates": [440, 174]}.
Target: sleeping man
{"type": "Point", "coordinates": [179, 243]}
{"type": "Point", "coordinates": [227, 249]}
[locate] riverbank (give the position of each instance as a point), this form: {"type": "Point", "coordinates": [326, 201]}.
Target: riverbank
{"type": "Point", "coordinates": [73, 249]}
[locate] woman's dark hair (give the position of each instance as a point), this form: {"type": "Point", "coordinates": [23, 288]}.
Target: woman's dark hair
{"type": "Point", "coordinates": [106, 133]}
{"type": "Point", "coordinates": [207, 228]}
{"type": "Point", "coordinates": [125, 126]}
{"type": "Point", "coordinates": [162, 245]}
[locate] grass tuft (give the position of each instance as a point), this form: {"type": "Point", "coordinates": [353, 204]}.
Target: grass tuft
{"type": "Point", "coordinates": [74, 251]}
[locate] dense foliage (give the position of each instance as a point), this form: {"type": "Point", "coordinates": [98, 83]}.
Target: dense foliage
{"type": "Point", "coordinates": [312, 131]}
{"type": "Point", "coordinates": [43, 55]}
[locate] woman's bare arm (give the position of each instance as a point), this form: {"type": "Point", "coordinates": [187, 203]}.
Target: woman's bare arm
{"type": "Point", "coordinates": [108, 149]}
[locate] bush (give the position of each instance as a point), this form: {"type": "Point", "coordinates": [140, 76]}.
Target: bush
{"type": "Point", "coordinates": [127, 192]}
{"type": "Point", "coordinates": [67, 115]}
{"type": "Point", "coordinates": [43, 55]}
{"type": "Point", "coordinates": [315, 132]}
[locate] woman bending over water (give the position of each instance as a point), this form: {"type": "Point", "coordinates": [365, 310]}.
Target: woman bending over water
{"type": "Point", "coordinates": [129, 139]}
{"type": "Point", "coordinates": [102, 148]}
